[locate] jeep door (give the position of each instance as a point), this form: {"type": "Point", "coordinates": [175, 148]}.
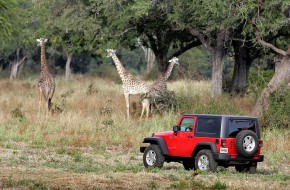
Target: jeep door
{"type": "Point", "coordinates": [182, 142]}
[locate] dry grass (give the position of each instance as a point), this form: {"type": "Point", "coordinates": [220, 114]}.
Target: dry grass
{"type": "Point", "coordinates": [89, 144]}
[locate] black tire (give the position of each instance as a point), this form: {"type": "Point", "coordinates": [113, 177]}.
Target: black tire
{"type": "Point", "coordinates": [247, 143]}
{"type": "Point", "coordinates": [188, 165]}
{"type": "Point", "coordinates": [204, 161]}
{"type": "Point", "coordinates": [247, 168]}
{"type": "Point", "coordinates": [153, 156]}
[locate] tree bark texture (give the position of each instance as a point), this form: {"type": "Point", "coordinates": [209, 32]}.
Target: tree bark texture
{"type": "Point", "coordinates": [241, 68]}
{"type": "Point", "coordinates": [67, 66]}
{"type": "Point", "coordinates": [217, 73]}
{"type": "Point", "coordinates": [149, 57]}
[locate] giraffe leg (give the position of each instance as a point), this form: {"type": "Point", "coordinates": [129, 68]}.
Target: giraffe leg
{"type": "Point", "coordinates": [47, 108]}
{"type": "Point", "coordinates": [147, 109]}
{"type": "Point", "coordinates": [39, 102]}
{"type": "Point", "coordinates": [145, 106]}
{"type": "Point", "coordinates": [127, 96]}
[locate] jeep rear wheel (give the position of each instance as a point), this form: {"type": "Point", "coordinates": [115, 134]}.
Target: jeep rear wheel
{"type": "Point", "coordinates": [246, 143]}
{"type": "Point", "coordinates": [248, 168]}
{"type": "Point", "coordinates": [153, 156]}
{"type": "Point", "coordinates": [204, 161]}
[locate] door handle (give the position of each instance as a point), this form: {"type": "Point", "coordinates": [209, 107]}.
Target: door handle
{"type": "Point", "coordinates": [189, 137]}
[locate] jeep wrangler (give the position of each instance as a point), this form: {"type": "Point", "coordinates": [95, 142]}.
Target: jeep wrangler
{"type": "Point", "coordinates": [204, 141]}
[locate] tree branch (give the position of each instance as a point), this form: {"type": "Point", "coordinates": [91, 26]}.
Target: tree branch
{"type": "Point", "coordinates": [200, 36]}
{"type": "Point", "coordinates": [271, 46]}
{"type": "Point", "coordinates": [126, 31]}
{"type": "Point", "coordinates": [184, 49]}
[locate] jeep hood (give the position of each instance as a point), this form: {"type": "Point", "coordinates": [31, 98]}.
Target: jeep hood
{"type": "Point", "coordinates": [162, 134]}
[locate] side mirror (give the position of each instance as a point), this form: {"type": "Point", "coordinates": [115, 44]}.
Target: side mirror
{"type": "Point", "coordinates": [175, 129]}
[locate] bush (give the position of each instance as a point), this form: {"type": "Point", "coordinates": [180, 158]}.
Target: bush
{"type": "Point", "coordinates": [258, 79]}
{"type": "Point", "coordinates": [163, 102]}
{"type": "Point", "coordinates": [279, 108]}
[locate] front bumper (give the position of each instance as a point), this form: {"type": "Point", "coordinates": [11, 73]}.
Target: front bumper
{"type": "Point", "coordinates": [235, 157]}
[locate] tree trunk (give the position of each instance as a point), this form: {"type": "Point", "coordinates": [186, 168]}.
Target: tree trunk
{"type": "Point", "coordinates": [15, 68]}
{"type": "Point", "coordinates": [162, 63]}
{"type": "Point", "coordinates": [149, 57]}
{"type": "Point", "coordinates": [241, 68]}
{"type": "Point", "coordinates": [282, 75]}
{"type": "Point", "coordinates": [217, 73]}
{"type": "Point", "coordinates": [67, 66]}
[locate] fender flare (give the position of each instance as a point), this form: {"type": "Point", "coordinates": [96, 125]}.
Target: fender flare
{"type": "Point", "coordinates": [156, 140]}
{"type": "Point", "coordinates": [204, 145]}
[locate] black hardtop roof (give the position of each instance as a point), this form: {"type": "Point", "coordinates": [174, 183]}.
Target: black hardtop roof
{"type": "Point", "coordinates": [217, 115]}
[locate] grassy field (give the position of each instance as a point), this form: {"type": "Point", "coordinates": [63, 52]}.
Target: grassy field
{"type": "Point", "coordinates": [87, 143]}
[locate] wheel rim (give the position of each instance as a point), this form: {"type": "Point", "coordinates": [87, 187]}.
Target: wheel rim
{"type": "Point", "coordinates": [249, 143]}
{"type": "Point", "coordinates": [151, 157]}
{"type": "Point", "coordinates": [203, 162]}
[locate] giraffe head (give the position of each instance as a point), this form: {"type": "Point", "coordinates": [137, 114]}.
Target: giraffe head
{"type": "Point", "coordinates": [111, 52]}
{"type": "Point", "coordinates": [174, 60]}
{"type": "Point", "coordinates": [41, 41]}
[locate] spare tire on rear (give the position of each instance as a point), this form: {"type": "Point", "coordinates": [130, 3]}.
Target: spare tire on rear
{"type": "Point", "coordinates": [247, 143]}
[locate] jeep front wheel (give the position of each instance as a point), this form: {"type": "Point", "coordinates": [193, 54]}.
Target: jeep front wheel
{"type": "Point", "coordinates": [153, 156]}
{"type": "Point", "coordinates": [246, 143]}
{"type": "Point", "coordinates": [204, 161]}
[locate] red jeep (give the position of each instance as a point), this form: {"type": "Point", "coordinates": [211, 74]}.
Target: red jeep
{"type": "Point", "coordinates": [202, 141]}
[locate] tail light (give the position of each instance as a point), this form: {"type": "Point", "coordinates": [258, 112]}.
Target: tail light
{"type": "Point", "coordinates": [223, 143]}
{"type": "Point", "coordinates": [260, 143]}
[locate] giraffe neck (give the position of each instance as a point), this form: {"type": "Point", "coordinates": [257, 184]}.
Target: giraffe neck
{"type": "Point", "coordinates": [43, 59]}
{"type": "Point", "coordinates": [120, 68]}
{"type": "Point", "coordinates": [168, 72]}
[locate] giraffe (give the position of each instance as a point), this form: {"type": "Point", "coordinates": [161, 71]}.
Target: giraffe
{"type": "Point", "coordinates": [159, 87]}
{"type": "Point", "coordinates": [131, 85]}
{"type": "Point", "coordinates": [46, 83]}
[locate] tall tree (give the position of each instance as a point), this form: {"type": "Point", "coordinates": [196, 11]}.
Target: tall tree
{"type": "Point", "coordinates": [269, 18]}
{"type": "Point", "coordinates": [72, 30]}
{"type": "Point", "coordinates": [213, 23]}
{"type": "Point", "coordinates": [19, 45]}
{"type": "Point", "coordinates": [123, 21]}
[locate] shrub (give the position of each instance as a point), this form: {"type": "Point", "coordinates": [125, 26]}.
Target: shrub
{"type": "Point", "coordinates": [279, 108]}
{"type": "Point", "coordinates": [258, 79]}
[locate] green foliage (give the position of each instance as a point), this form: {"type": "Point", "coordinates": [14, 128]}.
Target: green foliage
{"type": "Point", "coordinates": [153, 185]}
{"type": "Point", "coordinates": [195, 65]}
{"type": "Point", "coordinates": [279, 109]}
{"type": "Point", "coordinates": [6, 13]}
{"type": "Point", "coordinates": [258, 79]}
{"type": "Point", "coordinates": [10, 183]}
{"type": "Point", "coordinates": [219, 186]}
{"type": "Point", "coordinates": [106, 70]}
{"type": "Point", "coordinates": [204, 104]}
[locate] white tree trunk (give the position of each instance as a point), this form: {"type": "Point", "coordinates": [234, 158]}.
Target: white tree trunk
{"type": "Point", "coordinates": [149, 56]}
{"type": "Point", "coordinates": [67, 66]}
{"type": "Point", "coordinates": [15, 71]}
